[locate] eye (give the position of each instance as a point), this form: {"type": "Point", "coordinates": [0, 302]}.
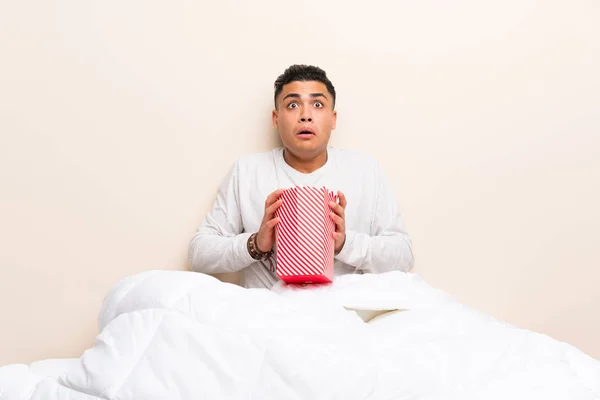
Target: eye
{"type": "Point", "coordinates": [318, 104]}
{"type": "Point", "coordinates": [292, 105]}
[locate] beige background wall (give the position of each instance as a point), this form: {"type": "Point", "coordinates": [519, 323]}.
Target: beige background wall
{"type": "Point", "coordinates": [119, 119]}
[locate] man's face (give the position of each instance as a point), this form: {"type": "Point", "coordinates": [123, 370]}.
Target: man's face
{"type": "Point", "coordinates": [304, 118]}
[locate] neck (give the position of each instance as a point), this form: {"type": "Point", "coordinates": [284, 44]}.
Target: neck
{"type": "Point", "coordinates": [305, 165]}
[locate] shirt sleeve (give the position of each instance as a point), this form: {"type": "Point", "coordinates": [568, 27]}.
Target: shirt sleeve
{"type": "Point", "coordinates": [389, 246]}
{"type": "Point", "coordinates": [219, 244]}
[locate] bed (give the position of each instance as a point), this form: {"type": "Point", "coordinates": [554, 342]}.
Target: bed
{"type": "Point", "coordinates": [184, 335]}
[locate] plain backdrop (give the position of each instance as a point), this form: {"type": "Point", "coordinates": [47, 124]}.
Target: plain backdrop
{"type": "Point", "coordinates": [118, 119]}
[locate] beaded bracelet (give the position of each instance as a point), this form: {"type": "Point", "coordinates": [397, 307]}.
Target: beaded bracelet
{"type": "Point", "coordinates": [255, 253]}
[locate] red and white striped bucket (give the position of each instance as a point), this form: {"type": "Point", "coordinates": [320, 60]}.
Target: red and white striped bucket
{"type": "Point", "coordinates": [304, 235]}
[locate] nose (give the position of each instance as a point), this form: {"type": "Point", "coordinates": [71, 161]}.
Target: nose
{"type": "Point", "coordinates": [306, 116]}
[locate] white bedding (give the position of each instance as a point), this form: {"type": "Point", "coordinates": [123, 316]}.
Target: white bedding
{"type": "Point", "coordinates": [183, 335]}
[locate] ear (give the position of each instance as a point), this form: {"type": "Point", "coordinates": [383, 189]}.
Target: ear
{"type": "Point", "coordinates": [274, 118]}
{"type": "Point", "coordinates": [334, 120]}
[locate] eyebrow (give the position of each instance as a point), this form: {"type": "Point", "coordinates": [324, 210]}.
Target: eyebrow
{"type": "Point", "coordinates": [297, 96]}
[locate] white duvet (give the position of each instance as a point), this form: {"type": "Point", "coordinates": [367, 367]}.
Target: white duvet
{"type": "Point", "coordinates": [183, 335]}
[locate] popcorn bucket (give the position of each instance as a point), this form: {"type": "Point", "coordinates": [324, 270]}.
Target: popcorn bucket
{"type": "Point", "coordinates": [304, 235]}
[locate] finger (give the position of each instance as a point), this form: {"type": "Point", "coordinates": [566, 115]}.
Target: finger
{"type": "Point", "coordinates": [339, 221]}
{"type": "Point", "coordinates": [342, 198]}
{"type": "Point", "coordinates": [272, 208]}
{"type": "Point", "coordinates": [337, 235]}
{"type": "Point", "coordinates": [338, 209]}
{"type": "Point", "coordinates": [273, 222]}
{"type": "Point", "coordinates": [272, 198]}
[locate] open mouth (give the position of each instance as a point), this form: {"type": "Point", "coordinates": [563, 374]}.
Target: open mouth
{"type": "Point", "coordinates": [305, 133]}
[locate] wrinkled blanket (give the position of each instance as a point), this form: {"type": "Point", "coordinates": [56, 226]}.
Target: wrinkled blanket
{"type": "Point", "coordinates": [184, 335]}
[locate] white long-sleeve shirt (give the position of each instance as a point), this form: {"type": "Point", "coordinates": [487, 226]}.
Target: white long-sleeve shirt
{"type": "Point", "coordinates": [376, 240]}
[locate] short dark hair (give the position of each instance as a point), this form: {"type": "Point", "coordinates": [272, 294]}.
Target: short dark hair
{"type": "Point", "coordinates": [301, 72]}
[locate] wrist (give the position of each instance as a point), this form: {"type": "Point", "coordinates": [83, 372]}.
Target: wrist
{"type": "Point", "coordinates": [257, 244]}
{"type": "Point", "coordinates": [347, 248]}
{"type": "Point", "coordinates": [338, 251]}
{"type": "Point", "coordinates": [255, 252]}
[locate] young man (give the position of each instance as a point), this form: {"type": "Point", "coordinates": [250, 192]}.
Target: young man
{"type": "Point", "coordinates": [239, 232]}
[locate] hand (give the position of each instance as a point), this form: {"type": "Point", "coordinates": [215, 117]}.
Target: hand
{"type": "Point", "coordinates": [265, 239]}
{"type": "Point", "coordinates": [338, 215]}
